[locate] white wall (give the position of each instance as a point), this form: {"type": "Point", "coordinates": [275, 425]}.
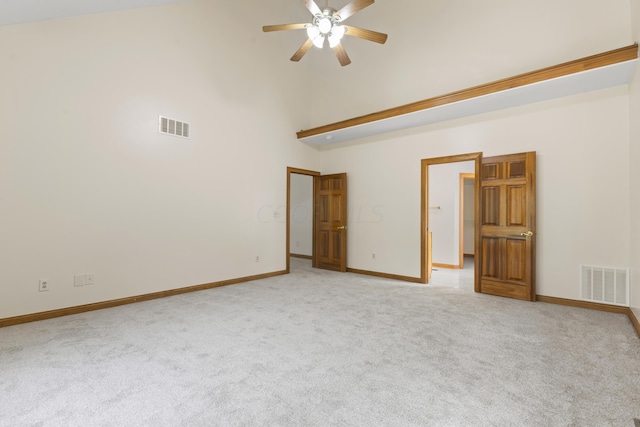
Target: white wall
{"type": "Point", "coordinates": [87, 185]}
{"type": "Point", "coordinates": [444, 210]}
{"type": "Point", "coordinates": [442, 46]}
{"type": "Point", "coordinates": [301, 214]}
{"type": "Point", "coordinates": [635, 169]}
{"type": "Point", "coordinates": [582, 145]}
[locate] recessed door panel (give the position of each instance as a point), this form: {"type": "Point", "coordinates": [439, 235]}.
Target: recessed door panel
{"type": "Point", "coordinates": [324, 240]}
{"type": "Point", "coordinates": [490, 205]}
{"type": "Point", "coordinates": [516, 206]}
{"type": "Point", "coordinates": [337, 245]}
{"type": "Point", "coordinates": [336, 184]}
{"type": "Point", "coordinates": [490, 171]}
{"type": "Point", "coordinates": [336, 208]}
{"type": "Point", "coordinates": [491, 257]}
{"type": "Point", "coordinates": [323, 209]}
{"type": "Point", "coordinates": [516, 260]}
{"type": "Point", "coordinates": [516, 169]}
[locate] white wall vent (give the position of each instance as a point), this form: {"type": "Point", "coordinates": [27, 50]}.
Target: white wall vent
{"type": "Point", "coordinates": [174, 127]}
{"type": "Point", "coordinates": [605, 284]}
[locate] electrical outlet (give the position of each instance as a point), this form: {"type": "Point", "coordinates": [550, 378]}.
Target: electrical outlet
{"type": "Point", "coordinates": [257, 259]}
{"type": "Point", "coordinates": [43, 285]}
{"type": "Point", "coordinates": [373, 256]}
{"type": "Point", "coordinates": [90, 279]}
{"type": "Point", "coordinates": [79, 280]}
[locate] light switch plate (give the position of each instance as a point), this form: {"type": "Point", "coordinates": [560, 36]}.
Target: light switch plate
{"type": "Point", "coordinates": [79, 280]}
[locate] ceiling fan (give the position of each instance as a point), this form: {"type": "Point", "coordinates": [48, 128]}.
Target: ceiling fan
{"type": "Point", "coordinates": [327, 26]}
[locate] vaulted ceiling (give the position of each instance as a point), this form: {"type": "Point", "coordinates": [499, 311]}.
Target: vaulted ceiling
{"type": "Point", "coordinates": [434, 47]}
{"type": "Point", "coordinates": [21, 11]}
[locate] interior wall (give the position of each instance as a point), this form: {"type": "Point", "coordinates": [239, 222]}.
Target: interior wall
{"type": "Point", "coordinates": [635, 169]}
{"type": "Point", "coordinates": [89, 186]}
{"type": "Point", "coordinates": [582, 145]}
{"type": "Point", "coordinates": [442, 46]}
{"type": "Point", "coordinates": [301, 229]}
{"type": "Point", "coordinates": [444, 210]}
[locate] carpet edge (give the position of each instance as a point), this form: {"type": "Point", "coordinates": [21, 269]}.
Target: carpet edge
{"type": "Point", "coordinates": [51, 314]}
{"type": "Point", "coordinates": [594, 306]}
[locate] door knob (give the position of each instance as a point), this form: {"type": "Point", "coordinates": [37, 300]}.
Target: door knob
{"type": "Point", "coordinates": [342, 227]}
{"type": "Point", "coordinates": [527, 234]}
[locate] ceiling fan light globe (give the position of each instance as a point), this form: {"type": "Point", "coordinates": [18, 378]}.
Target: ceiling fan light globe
{"type": "Point", "coordinates": [319, 42]}
{"type": "Point", "coordinates": [325, 24]}
{"type": "Point", "coordinates": [338, 31]}
{"type": "Point", "coordinates": [333, 41]}
{"type": "Point", "coordinates": [313, 32]}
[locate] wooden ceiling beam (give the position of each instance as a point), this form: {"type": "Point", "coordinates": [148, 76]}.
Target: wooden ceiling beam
{"type": "Point", "coordinates": [596, 61]}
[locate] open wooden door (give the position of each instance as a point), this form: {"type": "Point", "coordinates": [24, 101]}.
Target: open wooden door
{"type": "Point", "coordinates": [331, 222]}
{"type": "Point", "coordinates": [508, 226]}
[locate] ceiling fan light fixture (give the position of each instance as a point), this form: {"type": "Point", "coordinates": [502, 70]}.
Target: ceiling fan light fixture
{"type": "Point", "coordinates": [338, 31]}
{"type": "Point", "coordinates": [319, 41]}
{"type": "Point", "coordinates": [324, 25]}
{"type": "Point", "coordinates": [313, 32]}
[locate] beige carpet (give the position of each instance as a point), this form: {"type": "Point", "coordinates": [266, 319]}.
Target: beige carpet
{"type": "Point", "coordinates": [317, 348]}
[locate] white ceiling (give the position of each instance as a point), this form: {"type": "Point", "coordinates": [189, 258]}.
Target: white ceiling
{"type": "Point", "coordinates": [23, 11]}
{"type": "Point", "coordinates": [20, 11]}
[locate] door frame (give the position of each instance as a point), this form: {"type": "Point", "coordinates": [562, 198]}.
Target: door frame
{"type": "Point", "coordinates": [311, 173]}
{"type": "Point", "coordinates": [424, 203]}
{"type": "Point", "coordinates": [461, 233]}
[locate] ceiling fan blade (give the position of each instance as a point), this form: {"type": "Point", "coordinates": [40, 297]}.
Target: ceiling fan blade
{"type": "Point", "coordinates": [342, 55]}
{"type": "Point", "coordinates": [268, 28]}
{"type": "Point", "coordinates": [352, 8]}
{"type": "Point", "coordinates": [362, 33]}
{"type": "Point", "coordinates": [303, 49]}
{"type": "Point", "coordinates": [313, 7]}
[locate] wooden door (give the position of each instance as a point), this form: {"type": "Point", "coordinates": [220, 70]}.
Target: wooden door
{"type": "Point", "coordinates": [508, 226]}
{"type": "Point", "coordinates": [331, 222]}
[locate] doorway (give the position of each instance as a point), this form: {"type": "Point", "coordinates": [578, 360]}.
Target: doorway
{"type": "Point", "coordinates": [301, 211]}
{"type": "Point", "coordinates": [300, 215]}
{"type": "Point", "coordinates": [466, 215]}
{"type": "Point", "coordinates": [441, 205]}
{"type": "Point", "coordinates": [505, 218]}
{"type": "Point", "coordinates": [328, 218]}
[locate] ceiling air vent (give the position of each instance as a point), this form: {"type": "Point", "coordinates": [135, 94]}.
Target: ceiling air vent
{"type": "Point", "coordinates": [174, 127]}
{"type": "Point", "coordinates": [604, 284]}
